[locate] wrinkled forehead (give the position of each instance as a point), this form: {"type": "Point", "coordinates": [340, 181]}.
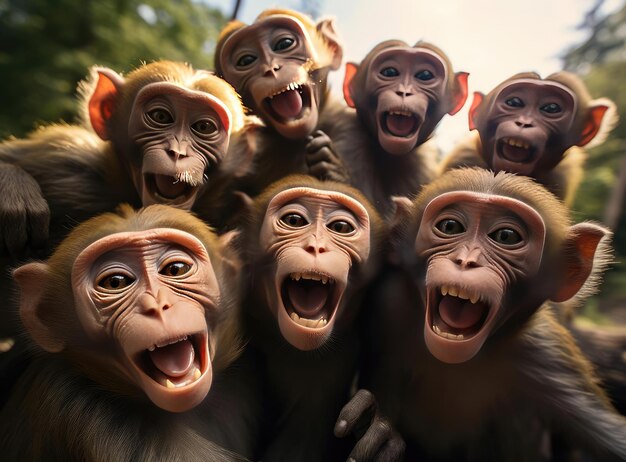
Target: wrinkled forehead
{"type": "Point", "coordinates": [139, 241]}
{"type": "Point", "coordinates": [294, 195]}
{"type": "Point", "coordinates": [200, 97]}
{"type": "Point", "coordinates": [410, 55]}
{"type": "Point", "coordinates": [529, 215]}
{"type": "Point", "coordinates": [256, 30]}
{"type": "Point", "coordinates": [540, 87]}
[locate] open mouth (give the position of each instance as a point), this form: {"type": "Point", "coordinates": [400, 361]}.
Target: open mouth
{"type": "Point", "coordinates": [165, 188]}
{"type": "Point", "coordinates": [289, 103]}
{"type": "Point", "coordinates": [400, 123]}
{"type": "Point", "coordinates": [177, 362]}
{"type": "Point", "coordinates": [515, 150]}
{"type": "Point", "coordinates": [310, 298]}
{"type": "Point", "coordinates": [456, 313]}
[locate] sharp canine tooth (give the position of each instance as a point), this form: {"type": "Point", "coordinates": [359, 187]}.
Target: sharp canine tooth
{"type": "Point", "coordinates": [196, 374]}
{"type": "Point", "coordinates": [474, 298]}
{"type": "Point", "coordinates": [444, 290]}
{"type": "Point", "coordinates": [169, 384]}
{"type": "Point", "coordinates": [152, 348]}
{"type": "Point", "coordinates": [294, 316]}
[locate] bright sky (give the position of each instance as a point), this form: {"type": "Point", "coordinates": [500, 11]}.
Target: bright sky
{"type": "Point", "coordinates": [490, 39]}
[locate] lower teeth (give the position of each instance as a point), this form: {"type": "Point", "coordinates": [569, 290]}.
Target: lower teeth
{"type": "Point", "coordinates": [308, 322]}
{"type": "Point", "coordinates": [447, 335]}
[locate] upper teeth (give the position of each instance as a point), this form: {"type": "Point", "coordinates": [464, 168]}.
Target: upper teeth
{"type": "Point", "coordinates": [465, 294]}
{"type": "Point", "coordinates": [516, 143]}
{"type": "Point", "coordinates": [291, 86]}
{"type": "Point", "coordinates": [401, 113]}
{"type": "Point", "coordinates": [166, 343]}
{"type": "Point", "coordinates": [311, 276]}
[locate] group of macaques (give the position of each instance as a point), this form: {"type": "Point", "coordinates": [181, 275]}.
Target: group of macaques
{"type": "Point", "coordinates": [233, 266]}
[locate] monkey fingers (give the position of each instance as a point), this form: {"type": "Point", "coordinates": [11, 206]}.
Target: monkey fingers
{"type": "Point", "coordinates": [322, 160]}
{"type": "Point", "coordinates": [24, 213]}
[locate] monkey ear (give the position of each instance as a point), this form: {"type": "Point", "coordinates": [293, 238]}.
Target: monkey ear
{"type": "Point", "coordinates": [460, 92]}
{"type": "Point", "coordinates": [244, 142]}
{"type": "Point", "coordinates": [401, 218]}
{"type": "Point", "coordinates": [228, 243]}
{"type": "Point", "coordinates": [31, 279]}
{"type": "Point", "coordinates": [472, 116]}
{"type": "Point", "coordinates": [103, 100]}
{"type": "Point", "coordinates": [351, 69]}
{"type": "Point", "coordinates": [326, 28]}
{"type": "Point", "coordinates": [601, 119]}
{"type": "Point", "coordinates": [579, 248]}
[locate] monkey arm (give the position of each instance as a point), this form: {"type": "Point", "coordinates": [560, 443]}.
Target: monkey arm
{"type": "Point", "coordinates": [567, 389]}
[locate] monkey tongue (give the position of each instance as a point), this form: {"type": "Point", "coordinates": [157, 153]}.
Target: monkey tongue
{"type": "Point", "coordinates": [168, 187]}
{"type": "Point", "coordinates": [307, 297]}
{"type": "Point", "coordinates": [459, 313]}
{"type": "Point", "coordinates": [287, 104]}
{"type": "Point", "coordinates": [174, 360]}
{"type": "Point", "coordinates": [400, 125]}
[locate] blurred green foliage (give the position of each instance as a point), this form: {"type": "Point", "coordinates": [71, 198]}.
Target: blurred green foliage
{"type": "Point", "coordinates": [47, 46]}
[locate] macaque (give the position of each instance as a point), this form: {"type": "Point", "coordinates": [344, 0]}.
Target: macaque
{"type": "Point", "coordinates": [162, 135]}
{"type": "Point", "coordinates": [400, 94]}
{"type": "Point", "coordinates": [133, 316]}
{"type": "Point", "coordinates": [536, 127]}
{"type": "Point", "coordinates": [279, 65]}
{"type": "Point", "coordinates": [465, 358]}
{"type": "Point", "coordinates": [309, 247]}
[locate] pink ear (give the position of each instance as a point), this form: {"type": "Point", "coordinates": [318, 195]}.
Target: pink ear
{"type": "Point", "coordinates": [351, 69]}
{"type": "Point", "coordinates": [580, 247]}
{"type": "Point", "coordinates": [102, 102]}
{"type": "Point", "coordinates": [592, 124]}
{"type": "Point", "coordinates": [478, 98]}
{"type": "Point", "coordinates": [32, 279]}
{"type": "Point", "coordinates": [460, 95]}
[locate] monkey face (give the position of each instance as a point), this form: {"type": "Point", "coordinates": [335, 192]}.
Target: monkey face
{"type": "Point", "coordinates": [151, 297]}
{"type": "Point", "coordinates": [270, 64]}
{"type": "Point", "coordinates": [313, 237]}
{"type": "Point", "coordinates": [528, 126]}
{"type": "Point", "coordinates": [475, 249]}
{"type": "Point", "coordinates": [405, 90]}
{"type": "Point", "coordinates": [182, 135]}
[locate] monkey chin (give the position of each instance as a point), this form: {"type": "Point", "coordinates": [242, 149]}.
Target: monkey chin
{"type": "Point", "coordinates": [398, 130]}
{"type": "Point", "coordinates": [174, 372]}
{"type": "Point", "coordinates": [307, 307]}
{"type": "Point", "coordinates": [291, 110]}
{"type": "Point", "coordinates": [458, 321]}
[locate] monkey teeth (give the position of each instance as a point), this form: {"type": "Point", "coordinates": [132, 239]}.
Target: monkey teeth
{"type": "Point", "coordinates": [401, 113]}
{"type": "Point", "coordinates": [312, 276]}
{"type": "Point", "coordinates": [465, 294]}
{"type": "Point", "coordinates": [171, 385]}
{"type": "Point", "coordinates": [447, 335]}
{"type": "Point", "coordinates": [166, 343]}
{"type": "Point", "coordinates": [289, 87]}
{"type": "Point", "coordinates": [314, 323]}
{"type": "Point", "coordinates": [516, 143]}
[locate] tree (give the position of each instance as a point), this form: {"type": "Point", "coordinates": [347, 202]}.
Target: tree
{"type": "Point", "coordinates": [47, 47]}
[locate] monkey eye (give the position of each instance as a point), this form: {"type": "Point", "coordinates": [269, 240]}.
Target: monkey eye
{"type": "Point", "coordinates": [506, 236]}
{"type": "Point", "coordinates": [514, 102]}
{"type": "Point", "coordinates": [161, 116]}
{"type": "Point", "coordinates": [424, 75]}
{"type": "Point", "coordinates": [551, 108]}
{"type": "Point", "coordinates": [341, 227]}
{"type": "Point", "coordinates": [204, 127]}
{"type": "Point", "coordinates": [245, 60]}
{"type": "Point", "coordinates": [294, 220]}
{"type": "Point", "coordinates": [177, 268]}
{"type": "Point", "coordinates": [390, 72]}
{"type": "Point", "coordinates": [115, 281]}
{"type": "Point", "coordinates": [450, 227]}
{"type": "Point", "coordinates": [283, 44]}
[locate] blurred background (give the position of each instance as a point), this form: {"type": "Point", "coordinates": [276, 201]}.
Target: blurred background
{"type": "Point", "coordinates": [46, 47]}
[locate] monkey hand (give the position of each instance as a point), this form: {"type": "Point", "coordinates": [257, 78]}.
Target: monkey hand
{"type": "Point", "coordinates": [377, 440]}
{"type": "Point", "coordinates": [24, 213]}
{"type": "Point", "coordinates": [322, 160]}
